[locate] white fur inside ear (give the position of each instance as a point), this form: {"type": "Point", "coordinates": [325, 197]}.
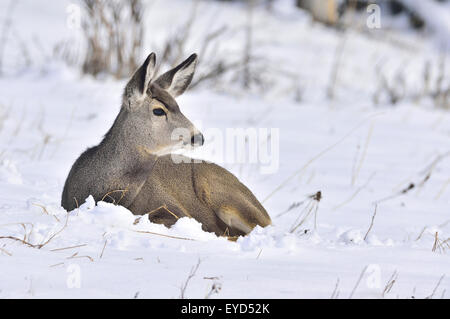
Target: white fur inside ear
{"type": "Point", "coordinates": [149, 74]}
{"type": "Point", "coordinates": [181, 79]}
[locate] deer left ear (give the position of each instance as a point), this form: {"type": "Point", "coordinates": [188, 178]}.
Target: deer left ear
{"type": "Point", "coordinates": [178, 79]}
{"type": "Point", "coordinates": [140, 80]}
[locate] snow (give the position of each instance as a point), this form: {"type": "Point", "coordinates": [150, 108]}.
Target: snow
{"type": "Point", "coordinates": [49, 114]}
{"type": "Point", "coordinates": [436, 15]}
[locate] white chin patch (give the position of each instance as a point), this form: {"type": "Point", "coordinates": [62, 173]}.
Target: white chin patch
{"type": "Point", "coordinates": [169, 149]}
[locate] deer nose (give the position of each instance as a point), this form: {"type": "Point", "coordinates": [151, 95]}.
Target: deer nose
{"type": "Point", "coordinates": [197, 139]}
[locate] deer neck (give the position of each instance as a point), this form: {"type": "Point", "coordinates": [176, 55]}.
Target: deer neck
{"type": "Point", "coordinates": [120, 149]}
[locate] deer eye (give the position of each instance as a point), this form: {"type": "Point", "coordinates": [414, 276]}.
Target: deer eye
{"type": "Point", "coordinates": [159, 112]}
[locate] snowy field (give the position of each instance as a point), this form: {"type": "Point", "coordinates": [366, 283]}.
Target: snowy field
{"type": "Point", "coordinates": [357, 154]}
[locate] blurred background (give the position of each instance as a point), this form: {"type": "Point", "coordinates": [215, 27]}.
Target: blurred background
{"type": "Point", "coordinates": [294, 48]}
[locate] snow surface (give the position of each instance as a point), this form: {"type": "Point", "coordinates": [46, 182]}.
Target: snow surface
{"type": "Point", "coordinates": [49, 114]}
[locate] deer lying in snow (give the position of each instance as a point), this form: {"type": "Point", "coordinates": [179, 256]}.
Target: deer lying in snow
{"type": "Point", "coordinates": [133, 167]}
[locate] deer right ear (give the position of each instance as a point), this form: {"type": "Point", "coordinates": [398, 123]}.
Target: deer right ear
{"type": "Point", "coordinates": [178, 79]}
{"type": "Point", "coordinates": [139, 82]}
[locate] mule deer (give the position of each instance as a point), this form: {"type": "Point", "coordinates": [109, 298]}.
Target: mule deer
{"type": "Point", "coordinates": [132, 166]}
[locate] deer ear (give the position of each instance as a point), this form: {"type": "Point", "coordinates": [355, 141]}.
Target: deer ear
{"type": "Point", "coordinates": [178, 79]}
{"type": "Point", "coordinates": [140, 80]}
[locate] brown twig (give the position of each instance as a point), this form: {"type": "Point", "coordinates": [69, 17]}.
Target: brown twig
{"type": "Point", "coordinates": [335, 293]}
{"type": "Point", "coordinates": [66, 248]}
{"type": "Point", "coordinates": [190, 276]}
{"type": "Point", "coordinates": [38, 246]}
{"type": "Point", "coordinates": [390, 283]}
{"type": "Point", "coordinates": [123, 191]}
{"type": "Point", "coordinates": [371, 223]}
{"type": "Point", "coordinates": [103, 250]}
{"type": "Point", "coordinates": [74, 257]}
{"type": "Point", "coordinates": [162, 235]}
{"type": "Point", "coordinates": [436, 287]}
{"type": "Point", "coordinates": [358, 282]}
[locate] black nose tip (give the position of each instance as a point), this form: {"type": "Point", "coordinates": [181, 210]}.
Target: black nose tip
{"type": "Point", "coordinates": [197, 139]}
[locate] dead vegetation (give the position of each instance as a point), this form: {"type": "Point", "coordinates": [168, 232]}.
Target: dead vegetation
{"type": "Point", "coordinates": [440, 245]}
{"type": "Point", "coordinates": [436, 288]}
{"type": "Point", "coordinates": [26, 241]}
{"type": "Point", "coordinates": [371, 222]}
{"type": "Point", "coordinates": [388, 287]}
{"type": "Point", "coordinates": [215, 289]}
{"type": "Point", "coordinates": [191, 275]}
{"type": "Point", "coordinates": [216, 67]}
{"type": "Point", "coordinates": [309, 208]}
{"type": "Point", "coordinates": [317, 156]}
{"type": "Point", "coordinates": [5, 31]}
{"type": "Point", "coordinates": [424, 176]}
{"type": "Point", "coordinates": [114, 32]}
{"type": "Point", "coordinates": [115, 37]}
{"type": "Point", "coordinates": [435, 86]}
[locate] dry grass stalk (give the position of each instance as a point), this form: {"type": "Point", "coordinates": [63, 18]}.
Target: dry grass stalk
{"type": "Point", "coordinates": [162, 235]}
{"type": "Point", "coordinates": [190, 276]}
{"type": "Point", "coordinates": [355, 193]}
{"type": "Point", "coordinates": [436, 287]}
{"type": "Point", "coordinates": [211, 278]}
{"type": "Point", "coordinates": [291, 207]}
{"type": "Point", "coordinates": [259, 254]}
{"type": "Point", "coordinates": [358, 282]}
{"type": "Point", "coordinates": [215, 289]}
{"type": "Point", "coordinates": [55, 234]}
{"type": "Point", "coordinates": [114, 32]}
{"type": "Point", "coordinates": [335, 293]}
{"type": "Point", "coordinates": [103, 249]}
{"type": "Point", "coordinates": [38, 246]}
{"type": "Point", "coordinates": [444, 187]}
{"type": "Point", "coordinates": [427, 172]}
{"type": "Point", "coordinates": [214, 65]}
{"type": "Point", "coordinates": [404, 191]}
{"type": "Point", "coordinates": [165, 209]}
{"type": "Point", "coordinates": [108, 195]}
{"type": "Point", "coordinates": [310, 209]}
{"type": "Point", "coordinates": [66, 248]}
{"type": "Point", "coordinates": [364, 153]}
{"type": "Point", "coordinates": [338, 56]}
{"type": "Point", "coordinates": [396, 89]}
{"type": "Point", "coordinates": [75, 257]}
{"type": "Point", "coordinates": [3, 250]}
{"type": "Point", "coordinates": [371, 222]}
{"type": "Point", "coordinates": [319, 155]}
{"type": "Point", "coordinates": [390, 283]}
{"type": "Point", "coordinates": [440, 245]}
{"type": "Point", "coordinates": [7, 26]}
{"type": "Point", "coordinates": [421, 233]}
{"type": "Point", "coordinates": [45, 211]}
{"type": "Point", "coordinates": [20, 240]}
{"type": "Point", "coordinates": [246, 72]}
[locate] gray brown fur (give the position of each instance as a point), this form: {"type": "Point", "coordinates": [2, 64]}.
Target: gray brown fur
{"type": "Point", "coordinates": [129, 167]}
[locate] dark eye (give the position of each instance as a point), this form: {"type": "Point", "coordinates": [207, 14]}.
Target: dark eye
{"type": "Point", "coordinates": [159, 112]}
